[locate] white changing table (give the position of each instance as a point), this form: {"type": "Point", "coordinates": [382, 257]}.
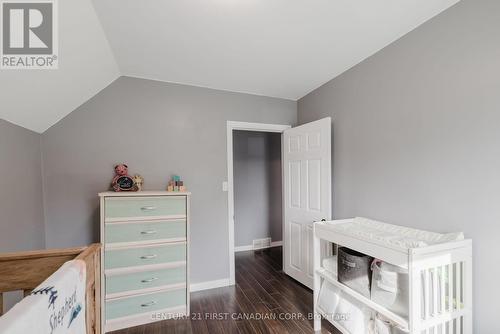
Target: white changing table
{"type": "Point", "coordinates": [446, 310]}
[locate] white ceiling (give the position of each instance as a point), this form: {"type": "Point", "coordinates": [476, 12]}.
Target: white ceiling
{"type": "Point", "coordinates": [37, 99]}
{"type": "Point", "coordinates": [280, 48]}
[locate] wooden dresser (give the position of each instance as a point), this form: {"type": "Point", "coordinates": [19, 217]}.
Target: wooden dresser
{"type": "Point", "coordinates": [145, 257]}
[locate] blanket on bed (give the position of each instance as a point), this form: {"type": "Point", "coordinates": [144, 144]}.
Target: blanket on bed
{"type": "Point", "coordinates": [56, 306]}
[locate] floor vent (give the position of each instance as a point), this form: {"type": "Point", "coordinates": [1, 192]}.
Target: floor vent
{"type": "Point", "coordinates": [261, 243]}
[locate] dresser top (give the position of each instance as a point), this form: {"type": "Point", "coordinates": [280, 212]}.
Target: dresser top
{"type": "Point", "coordinates": [143, 193]}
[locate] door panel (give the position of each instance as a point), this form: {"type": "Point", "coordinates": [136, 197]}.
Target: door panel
{"type": "Point", "coordinates": [294, 144]}
{"type": "Point", "coordinates": [314, 185]}
{"type": "Point", "coordinates": [296, 239]}
{"type": "Point", "coordinates": [307, 193]}
{"type": "Point", "coordinates": [295, 184]}
{"type": "Point", "coordinates": [313, 141]}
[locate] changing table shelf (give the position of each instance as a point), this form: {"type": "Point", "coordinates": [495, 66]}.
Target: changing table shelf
{"type": "Point", "coordinates": [332, 278]}
{"type": "Point", "coordinates": [424, 254]}
{"type": "Point", "coordinates": [395, 255]}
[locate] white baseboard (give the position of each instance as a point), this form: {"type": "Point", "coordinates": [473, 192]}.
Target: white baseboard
{"type": "Point", "coordinates": [250, 247]}
{"type": "Point", "coordinates": [243, 248]}
{"type": "Point", "coordinates": [226, 281]}
{"type": "Point", "coordinates": [210, 285]}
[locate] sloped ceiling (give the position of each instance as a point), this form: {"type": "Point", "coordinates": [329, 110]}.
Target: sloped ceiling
{"type": "Point", "coordinates": [278, 48]}
{"type": "Point", "coordinates": [37, 99]}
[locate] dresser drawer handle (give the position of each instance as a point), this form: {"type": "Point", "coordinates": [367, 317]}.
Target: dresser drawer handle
{"type": "Point", "coordinates": [149, 257]}
{"type": "Point", "coordinates": [148, 304]}
{"type": "Point", "coordinates": [148, 208]}
{"type": "Point", "coordinates": [149, 280]}
{"type": "Point", "coordinates": [149, 232]}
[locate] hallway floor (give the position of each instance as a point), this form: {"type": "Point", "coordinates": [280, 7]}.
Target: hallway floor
{"type": "Point", "coordinates": [264, 300]}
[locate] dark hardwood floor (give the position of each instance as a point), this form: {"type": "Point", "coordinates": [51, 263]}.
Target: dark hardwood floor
{"type": "Point", "coordinates": [264, 300]}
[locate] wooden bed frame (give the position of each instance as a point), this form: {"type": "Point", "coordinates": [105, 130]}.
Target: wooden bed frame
{"type": "Point", "coordinates": [24, 271]}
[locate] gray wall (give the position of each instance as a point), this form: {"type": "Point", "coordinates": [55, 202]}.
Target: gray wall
{"type": "Point", "coordinates": [158, 129]}
{"type": "Point", "coordinates": [416, 136]}
{"type": "Point", "coordinates": [257, 186]}
{"type": "Point", "coordinates": [21, 202]}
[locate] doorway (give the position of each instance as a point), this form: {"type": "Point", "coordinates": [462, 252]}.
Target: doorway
{"type": "Point", "coordinates": [250, 140]}
{"type": "Point", "coordinates": [306, 190]}
{"type": "Point", "coordinates": [257, 190]}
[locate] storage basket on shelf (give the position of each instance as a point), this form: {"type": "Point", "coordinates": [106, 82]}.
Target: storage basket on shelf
{"type": "Point", "coordinates": [329, 297]}
{"type": "Point", "coordinates": [330, 263]}
{"type": "Point", "coordinates": [336, 306]}
{"type": "Point", "coordinates": [352, 315]}
{"type": "Point", "coordinates": [354, 270]}
{"type": "Point", "coordinates": [390, 287]}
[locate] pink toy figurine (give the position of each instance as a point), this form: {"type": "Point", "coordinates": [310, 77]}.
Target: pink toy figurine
{"type": "Point", "coordinates": [122, 181]}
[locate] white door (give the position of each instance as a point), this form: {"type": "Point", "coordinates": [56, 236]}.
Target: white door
{"type": "Point", "coordinates": [307, 193]}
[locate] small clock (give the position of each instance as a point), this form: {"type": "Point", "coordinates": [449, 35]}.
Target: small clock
{"type": "Point", "coordinates": [122, 181]}
{"type": "Point", "coordinates": [125, 183]}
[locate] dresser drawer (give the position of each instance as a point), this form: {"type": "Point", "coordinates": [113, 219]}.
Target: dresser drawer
{"type": "Point", "coordinates": [145, 231]}
{"type": "Point", "coordinates": [145, 280]}
{"type": "Point", "coordinates": [132, 207]}
{"type": "Point", "coordinates": [142, 256]}
{"type": "Point", "coordinates": [124, 307]}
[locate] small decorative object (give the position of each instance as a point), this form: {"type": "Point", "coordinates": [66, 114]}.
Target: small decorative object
{"type": "Point", "coordinates": [176, 184]}
{"type": "Point", "coordinates": [139, 181]}
{"type": "Point", "coordinates": [122, 181]}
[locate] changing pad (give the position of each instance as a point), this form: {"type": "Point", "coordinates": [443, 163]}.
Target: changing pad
{"type": "Point", "coordinates": [394, 235]}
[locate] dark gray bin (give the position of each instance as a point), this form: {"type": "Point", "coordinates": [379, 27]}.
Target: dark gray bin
{"type": "Point", "coordinates": [354, 270]}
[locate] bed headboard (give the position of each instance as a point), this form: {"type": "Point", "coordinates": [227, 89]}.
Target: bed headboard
{"type": "Point", "coordinates": [24, 271]}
